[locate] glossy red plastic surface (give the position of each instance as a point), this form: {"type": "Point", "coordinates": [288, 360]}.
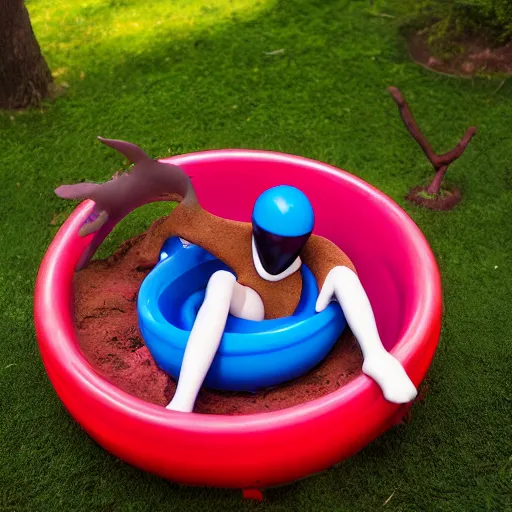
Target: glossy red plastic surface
{"type": "Point", "coordinates": [396, 267]}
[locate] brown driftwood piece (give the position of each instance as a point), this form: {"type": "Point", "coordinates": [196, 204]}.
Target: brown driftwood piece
{"type": "Point", "coordinates": [439, 162]}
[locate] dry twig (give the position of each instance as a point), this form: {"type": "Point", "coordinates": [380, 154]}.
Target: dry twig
{"type": "Point", "coordinates": [439, 162]}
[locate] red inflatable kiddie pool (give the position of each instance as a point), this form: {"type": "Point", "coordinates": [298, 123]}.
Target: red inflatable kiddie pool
{"type": "Point", "coordinates": [396, 266]}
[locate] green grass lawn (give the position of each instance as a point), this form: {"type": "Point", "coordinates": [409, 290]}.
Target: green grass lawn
{"type": "Point", "coordinates": [186, 75]}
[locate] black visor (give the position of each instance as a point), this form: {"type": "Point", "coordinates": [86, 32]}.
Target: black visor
{"type": "Point", "coordinates": [276, 252]}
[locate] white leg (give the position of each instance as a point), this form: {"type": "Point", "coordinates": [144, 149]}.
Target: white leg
{"type": "Point", "coordinates": [247, 304]}
{"type": "Point", "coordinates": [378, 364]}
{"type": "Point", "coordinates": [204, 340]}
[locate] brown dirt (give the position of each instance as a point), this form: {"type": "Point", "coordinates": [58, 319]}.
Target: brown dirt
{"type": "Point", "coordinates": [477, 56]}
{"type": "Point", "coordinates": [108, 333]}
{"type": "Point", "coordinates": [442, 202]}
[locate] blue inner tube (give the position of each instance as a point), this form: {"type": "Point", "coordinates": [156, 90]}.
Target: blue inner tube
{"type": "Point", "coordinates": [252, 355]}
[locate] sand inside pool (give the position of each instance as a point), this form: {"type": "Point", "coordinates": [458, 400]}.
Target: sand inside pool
{"type": "Point", "coordinates": [109, 337]}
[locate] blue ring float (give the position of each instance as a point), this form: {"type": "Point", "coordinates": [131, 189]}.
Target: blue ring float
{"type": "Point", "coordinates": [252, 355]}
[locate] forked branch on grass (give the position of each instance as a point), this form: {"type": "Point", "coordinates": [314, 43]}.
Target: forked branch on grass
{"type": "Point", "coordinates": [439, 162]}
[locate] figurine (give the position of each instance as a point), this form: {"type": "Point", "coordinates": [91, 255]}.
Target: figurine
{"type": "Point", "coordinates": [264, 257]}
{"type": "Point", "coordinates": [283, 221]}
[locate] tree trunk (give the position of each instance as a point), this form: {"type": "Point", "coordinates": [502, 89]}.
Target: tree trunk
{"type": "Point", "coordinates": [25, 78]}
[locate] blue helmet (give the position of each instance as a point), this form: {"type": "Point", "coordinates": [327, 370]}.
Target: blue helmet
{"type": "Point", "coordinates": [282, 221]}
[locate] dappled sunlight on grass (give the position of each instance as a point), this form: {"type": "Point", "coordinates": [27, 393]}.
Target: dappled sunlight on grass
{"type": "Point", "coordinates": [77, 30]}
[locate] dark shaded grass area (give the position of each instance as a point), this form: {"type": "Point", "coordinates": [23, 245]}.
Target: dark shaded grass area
{"type": "Point", "coordinates": [201, 79]}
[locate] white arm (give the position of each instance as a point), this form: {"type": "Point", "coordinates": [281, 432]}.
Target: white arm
{"type": "Point", "coordinates": [223, 295]}
{"type": "Point", "coordinates": [344, 285]}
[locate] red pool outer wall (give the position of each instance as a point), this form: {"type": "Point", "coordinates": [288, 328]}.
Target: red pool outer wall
{"type": "Point", "coordinates": [395, 264]}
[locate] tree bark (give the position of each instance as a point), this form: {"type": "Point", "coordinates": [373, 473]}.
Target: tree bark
{"type": "Point", "coordinates": [25, 78]}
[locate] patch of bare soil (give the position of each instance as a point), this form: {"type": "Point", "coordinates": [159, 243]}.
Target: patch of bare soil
{"type": "Point", "coordinates": [476, 56]}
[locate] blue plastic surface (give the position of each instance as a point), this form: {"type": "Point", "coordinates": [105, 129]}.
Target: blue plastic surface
{"type": "Point", "coordinates": [284, 211]}
{"type": "Point", "coordinates": [252, 355]}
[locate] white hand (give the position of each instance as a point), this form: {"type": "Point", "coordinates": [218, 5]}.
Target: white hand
{"type": "Point", "coordinates": [326, 295]}
{"type": "Point", "coordinates": [390, 375]}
